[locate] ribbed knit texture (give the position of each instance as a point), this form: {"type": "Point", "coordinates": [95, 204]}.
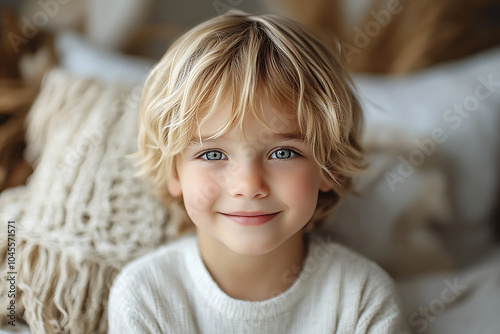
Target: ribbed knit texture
{"type": "Point", "coordinates": [171, 291]}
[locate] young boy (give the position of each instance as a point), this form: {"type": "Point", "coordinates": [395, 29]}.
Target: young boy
{"type": "Point", "coordinates": [250, 126]}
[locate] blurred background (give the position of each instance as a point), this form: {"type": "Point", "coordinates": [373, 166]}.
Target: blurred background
{"type": "Point", "coordinates": [428, 77]}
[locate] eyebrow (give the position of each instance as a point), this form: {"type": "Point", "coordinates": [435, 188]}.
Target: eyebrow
{"type": "Point", "coordinates": [275, 137]}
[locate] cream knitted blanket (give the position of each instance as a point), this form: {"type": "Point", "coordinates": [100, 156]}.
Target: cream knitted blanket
{"type": "Point", "coordinates": [82, 215]}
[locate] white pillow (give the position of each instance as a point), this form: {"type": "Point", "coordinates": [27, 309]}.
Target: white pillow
{"type": "Point", "coordinates": [434, 143]}
{"type": "Point", "coordinates": [82, 214]}
{"type": "Point", "coordinates": [87, 60]}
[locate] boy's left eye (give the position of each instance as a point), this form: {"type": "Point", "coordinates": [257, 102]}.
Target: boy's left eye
{"type": "Point", "coordinates": [283, 153]}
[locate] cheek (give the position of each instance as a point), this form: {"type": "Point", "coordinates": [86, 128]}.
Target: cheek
{"type": "Point", "coordinates": [300, 188]}
{"type": "Point", "coordinates": [200, 190]}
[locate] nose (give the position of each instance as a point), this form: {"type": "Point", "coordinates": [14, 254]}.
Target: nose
{"type": "Point", "coordinates": [247, 180]}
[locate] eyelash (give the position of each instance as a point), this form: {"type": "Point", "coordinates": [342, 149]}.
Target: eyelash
{"type": "Point", "coordinates": [294, 154]}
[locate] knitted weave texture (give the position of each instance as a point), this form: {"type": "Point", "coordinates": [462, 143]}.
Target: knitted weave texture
{"type": "Point", "coordinates": [82, 215]}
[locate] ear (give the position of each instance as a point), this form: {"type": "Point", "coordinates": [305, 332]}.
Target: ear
{"type": "Point", "coordinates": [174, 185]}
{"type": "Point", "coordinates": [325, 185]}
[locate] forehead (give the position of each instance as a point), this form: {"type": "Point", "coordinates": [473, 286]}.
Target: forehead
{"type": "Point", "coordinates": [261, 118]}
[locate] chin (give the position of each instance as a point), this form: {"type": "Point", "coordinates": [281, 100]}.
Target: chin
{"type": "Point", "coordinates": [251, 247]}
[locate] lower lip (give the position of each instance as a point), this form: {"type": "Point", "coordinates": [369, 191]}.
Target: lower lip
{"type": "Point", "coordinates": [252, 220]}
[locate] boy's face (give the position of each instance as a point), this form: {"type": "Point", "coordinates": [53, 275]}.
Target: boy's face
{"type": "Point", "coordinates": [249, 193]}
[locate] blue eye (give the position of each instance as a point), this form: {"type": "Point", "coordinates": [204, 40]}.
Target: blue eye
{"type": "Point", "coordinates": [213, 156]}
{"type": "Point", "coordinates": [283, 153]}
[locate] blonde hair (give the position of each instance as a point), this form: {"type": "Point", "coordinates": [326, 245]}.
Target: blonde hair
{"type": "Point", "coordinates": [252, 55]}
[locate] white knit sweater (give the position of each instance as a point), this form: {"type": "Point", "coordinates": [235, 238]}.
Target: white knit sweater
{"type": "Point", "coordinates": [171, 291]}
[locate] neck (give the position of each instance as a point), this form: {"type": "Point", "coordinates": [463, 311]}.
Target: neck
{"type": "Point", "coordinates": [253, 277]}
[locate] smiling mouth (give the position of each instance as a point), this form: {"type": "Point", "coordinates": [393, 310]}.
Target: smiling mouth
{"type": "Point", "coordinates": [250, 218]}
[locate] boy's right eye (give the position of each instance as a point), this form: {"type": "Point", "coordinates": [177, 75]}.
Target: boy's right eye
{"type": "Point", "coordinates": [213, 156]}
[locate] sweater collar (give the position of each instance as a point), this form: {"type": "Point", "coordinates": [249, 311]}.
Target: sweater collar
{"type": "Point", "coordinates": [233, 308]}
